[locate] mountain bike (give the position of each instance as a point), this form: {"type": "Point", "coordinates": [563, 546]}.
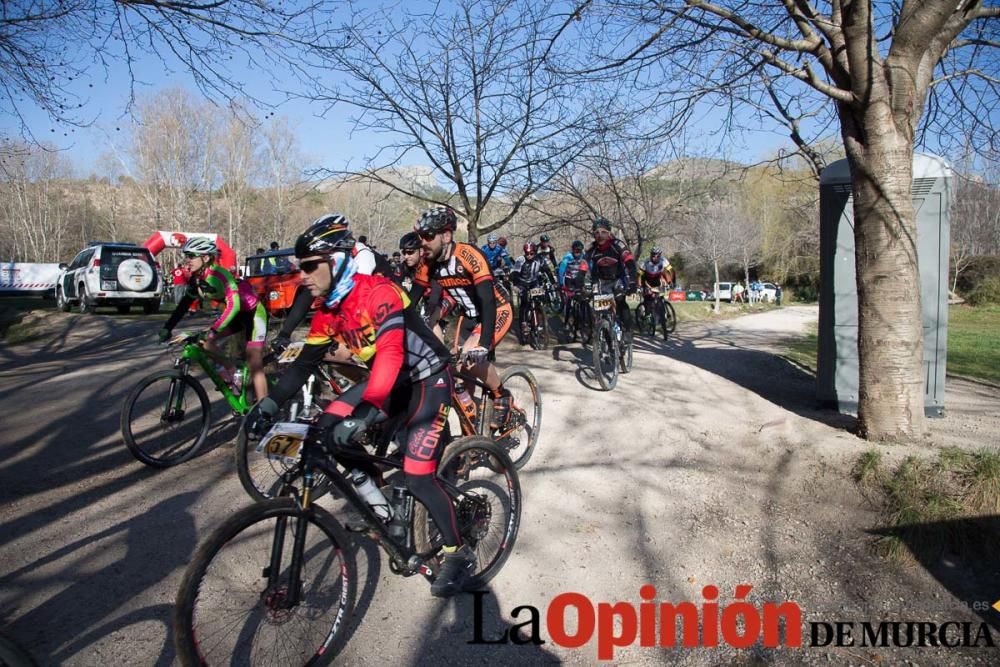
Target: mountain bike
{"type": "Point", "coordinates": [275, 583]}
{"type": "Point", "coordinates": [579, 317]}
{"type": "Point", "coordinates": [167, 414]}
{"type": "Point", "coordinates": [553, 298]}
{"type": "Point", "coordinates": [535, 328]}
{"type": "Point", "coordinates": [612, 345]}
{"type": "Point", "coordinates": [656, 312]}
{"type": "Point", "coordinates": [261, 475]}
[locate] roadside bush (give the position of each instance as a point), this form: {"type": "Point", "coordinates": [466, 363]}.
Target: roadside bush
{"type": "Point", "coordinates": [986, 292]}
{"type": "Point", "coordinates": [980, 269]}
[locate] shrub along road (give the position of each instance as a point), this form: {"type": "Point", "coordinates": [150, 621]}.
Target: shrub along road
{"type": "Point", "coordinates": [708, 465]}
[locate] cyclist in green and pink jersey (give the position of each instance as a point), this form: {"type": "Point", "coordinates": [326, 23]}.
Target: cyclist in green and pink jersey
{"type": "Point", "coordinates": [242, 310]}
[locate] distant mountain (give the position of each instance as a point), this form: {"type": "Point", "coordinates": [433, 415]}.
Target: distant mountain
{"type": "Point", "coordinates": [697, 168]}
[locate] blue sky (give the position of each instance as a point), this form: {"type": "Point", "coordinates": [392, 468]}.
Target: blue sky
{"type": "Point", "coordinates": [326, 142]}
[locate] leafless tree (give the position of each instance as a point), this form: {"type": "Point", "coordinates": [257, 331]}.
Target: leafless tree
{"type": "Point", "coordinates": [466, 88]}
{"type": "Point", "coordinates": [51, 53]}
{"type": "Point", "coordinates": [975, 224]}
{"type": "Point", "coordinates": [174, 144]}
{"type": "Point", "coordinates": [35, 210]}
{"type": "Point", "coordinates": [712, 235]}
{"type": "Point", "coordinates": [880, 65]}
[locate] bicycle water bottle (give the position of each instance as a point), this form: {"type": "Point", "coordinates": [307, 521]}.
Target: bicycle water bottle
{"type": "Point", "coordinates": [465, 401]}
{"type": "Point", "coordinates": [238, 380]}
{"type": "Point", "coordinates": [402, 510]}
{"type": "Point", "coordinates": [367, 489]}
{"type": "Point", "coordinates": [618, 331]}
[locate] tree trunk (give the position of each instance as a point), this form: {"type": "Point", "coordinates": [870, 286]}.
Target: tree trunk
{"type": "Point", "coordinates": [715, 288]}
{"type": "Point", "coordinates": [890, 333]}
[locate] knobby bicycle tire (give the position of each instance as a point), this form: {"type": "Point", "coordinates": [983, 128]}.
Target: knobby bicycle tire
{"type": "Point", "coordinates": [669, 324]}
{"type": "Point", "coordinates": [532, 417]}
{"type": "Point", "coordinates": [331, 559]}
{"type": "Point", "coordinates": [460, 458]}
{"type": "Point", "coordinates": [262, 478]}
{"type": "Point", "coordinates": [604, 345]}
{"type": "Point", "coordinates": [177, 382]}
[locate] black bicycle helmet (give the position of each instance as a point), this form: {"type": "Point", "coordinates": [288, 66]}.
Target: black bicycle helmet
{"type": "Point", "coordinates": [436, 220]}
{"type": "Point", "coordinates": [327, 234]}
{"type": "Point", "coordinates": [601, 223]}
{"type": "Point", "coordinates": [544, 238]}
{"type": "Point", "coordinates": [409, 241]}
{"type": "Point", "coordinates": [576, 245]}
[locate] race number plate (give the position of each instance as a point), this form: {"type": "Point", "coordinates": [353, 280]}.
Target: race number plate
{"type": "Point", "coordinates": [536, 291]}
{"type": "Point", "coordinates": [603, 302]}
{"type": "Point", "coordinates": [291, 353]}
{"type": "Point", "coordinates": [284, 442]}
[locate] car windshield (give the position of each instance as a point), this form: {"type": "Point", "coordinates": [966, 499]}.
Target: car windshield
{"type": "Point", "coordinates": [112, 257]}
{"type": "Point", "coordinates": [272, 264]}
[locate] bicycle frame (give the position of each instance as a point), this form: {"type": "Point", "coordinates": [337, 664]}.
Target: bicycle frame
{"type": "Point", "coordinates": [404, 559]}
{"type": "Point", "coordinates": [192, 353]}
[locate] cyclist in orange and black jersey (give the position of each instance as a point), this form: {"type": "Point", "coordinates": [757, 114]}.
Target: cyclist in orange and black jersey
{"type": "Point", "coordinates": [464, 274]}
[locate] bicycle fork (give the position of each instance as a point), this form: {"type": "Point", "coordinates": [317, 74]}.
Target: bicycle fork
{"type": "Point", "coordinates": [174, 407]}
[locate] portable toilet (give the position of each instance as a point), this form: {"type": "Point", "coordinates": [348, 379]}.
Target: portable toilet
{"type": "Point", "coordinates": [837, 362]}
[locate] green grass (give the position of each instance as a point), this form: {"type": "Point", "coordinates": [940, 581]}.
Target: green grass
{"type": "Point", "coordinates": [802, 349]}
{"type": "Point", "coordinates": [974, 342]}
{"type": "Point", "coordinates": [926, 502]}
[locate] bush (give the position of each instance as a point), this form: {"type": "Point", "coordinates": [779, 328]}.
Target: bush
{"type": "Point", "coordinates": [979, 269]}
{"type": "Point", "coordinates": [986, 292]}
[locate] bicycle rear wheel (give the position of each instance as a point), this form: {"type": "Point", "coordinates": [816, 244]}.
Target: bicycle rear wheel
{"type": "Point", "coordinates": [165, 418]}
{"type": "Point", "coordinates": [486, 495]}
{"type": "Point", "coordinates": [605, 356]}
{"type": "Point", "coordinates": [233, 604]}
{"type": "Point", "coordinates": [518, 437]}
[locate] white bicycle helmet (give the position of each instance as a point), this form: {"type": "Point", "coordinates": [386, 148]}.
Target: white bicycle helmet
{"type": "Point", "coordinates": [200, 245]}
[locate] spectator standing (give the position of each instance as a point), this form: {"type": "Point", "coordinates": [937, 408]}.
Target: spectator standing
{"type": "Point", "coordinates": [738, 290]}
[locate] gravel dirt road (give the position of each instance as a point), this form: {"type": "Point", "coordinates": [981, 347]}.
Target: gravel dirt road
{"type": "Point", "coordinates": [707, 465]}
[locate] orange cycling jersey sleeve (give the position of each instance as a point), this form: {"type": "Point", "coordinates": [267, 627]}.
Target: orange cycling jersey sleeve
{"type": "Point", "coordinates": [474, 262]}
{"type": "Point", "coordinates": [422, 276]}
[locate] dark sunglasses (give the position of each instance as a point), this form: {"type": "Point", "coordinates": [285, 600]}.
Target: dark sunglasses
{"type": "Point", "coordinates": [311, 265]}
{"type": "Point", "coordinates": [411, 252]}
{"type": "Point", "coordinates": [192, 255]}
{"type": "Point", "coordinates": [426, 236]}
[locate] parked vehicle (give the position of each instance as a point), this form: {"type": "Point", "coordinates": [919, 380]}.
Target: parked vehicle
{"type": "Point", "coordinates": [110, 274]}
{"type": "Point", "coordinates": [769, 292]}
{"type": "Point", "coordinates": [723, 291]}
{"type": "Point", "coordinates": [275, 277]}
{"type": "Point", "coordinates": [28, 279]}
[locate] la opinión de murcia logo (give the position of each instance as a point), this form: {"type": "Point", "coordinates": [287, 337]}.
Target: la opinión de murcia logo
{"type": "Point", "coordinates": [572, 620]}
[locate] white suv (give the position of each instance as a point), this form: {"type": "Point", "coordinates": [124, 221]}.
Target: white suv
{"type": "Point", "coordinates": [110, 274]}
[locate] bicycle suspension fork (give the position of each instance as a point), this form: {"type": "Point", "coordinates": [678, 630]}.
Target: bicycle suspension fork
{"type": "Point", "coordinates": [298, 546]}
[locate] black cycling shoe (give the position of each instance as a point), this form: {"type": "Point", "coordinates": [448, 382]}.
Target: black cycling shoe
{"type": "Point", "coordinates": [456, 568]}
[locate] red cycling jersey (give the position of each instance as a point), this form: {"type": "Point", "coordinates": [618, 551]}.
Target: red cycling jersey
{"type": "Point", "coordinates": [373, 316]}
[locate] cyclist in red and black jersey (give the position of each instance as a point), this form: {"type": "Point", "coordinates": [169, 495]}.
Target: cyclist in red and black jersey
{"type": "Point", "coordinates": [611, 264]}
{"type": "Point", "coordinates": [410, 374]}
{"type": "Point", "coordinates": [464, 274]}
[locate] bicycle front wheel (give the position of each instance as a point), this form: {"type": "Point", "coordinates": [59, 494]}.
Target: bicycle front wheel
{"type": "Point", "coordinates": [262, 477]}
{"type": "Point", "coordinates": [539, 326]}
{"type": "Point", "coordinates": [519, 435]}
{"type": "Point", "coordinates": [669, 322]}
{"type": "Point", "coordinates": [235, 604]}
{"type": "Point", "coordinates": [605, 356]}
{"type": "Point", "coordinates": [486, 495]}
{"type": "Point", "coordinates": [165, 418]}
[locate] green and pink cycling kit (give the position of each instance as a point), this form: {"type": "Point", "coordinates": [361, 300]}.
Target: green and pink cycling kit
{"type": "Point", "coordinates": [241, 307]}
